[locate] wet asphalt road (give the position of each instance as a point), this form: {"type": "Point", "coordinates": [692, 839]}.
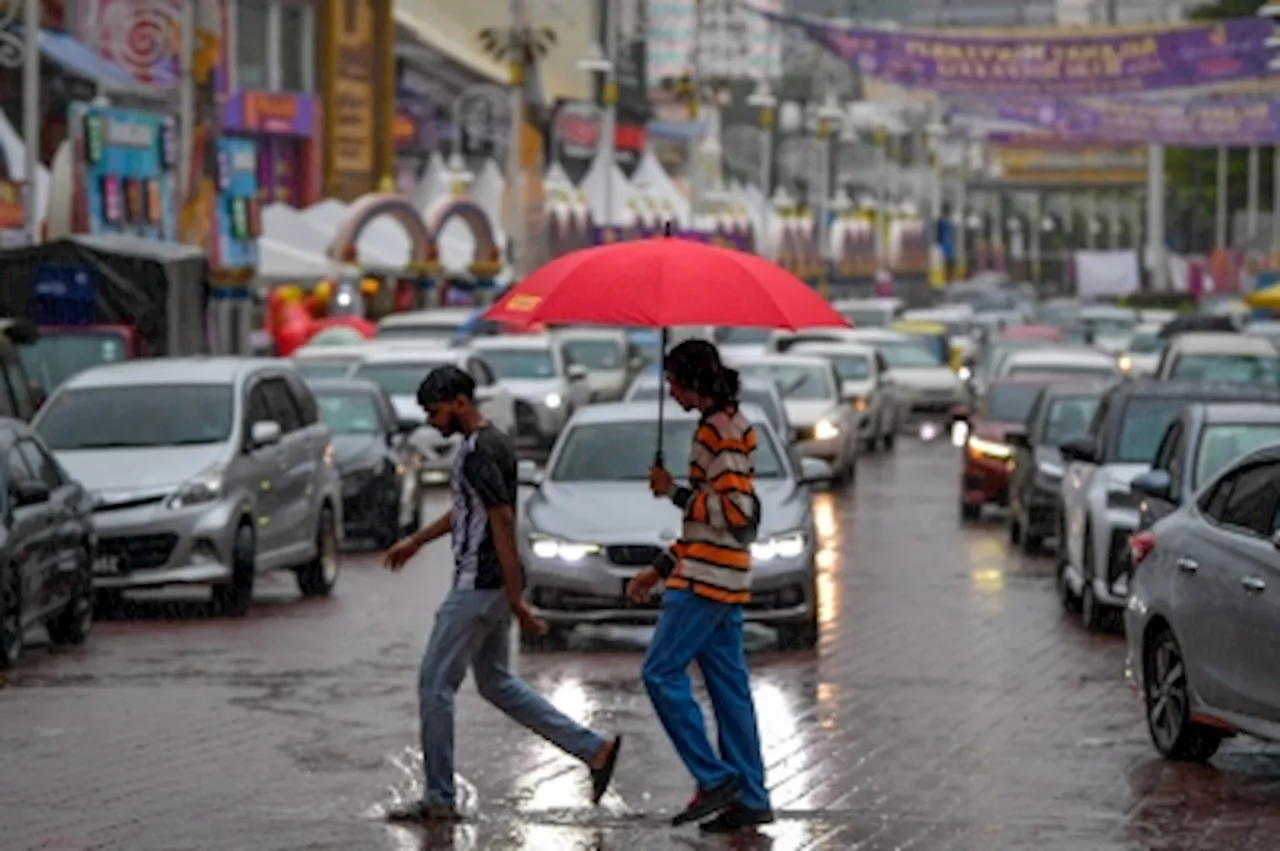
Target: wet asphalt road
{"type": "Point", "coordinates": [950, 705]}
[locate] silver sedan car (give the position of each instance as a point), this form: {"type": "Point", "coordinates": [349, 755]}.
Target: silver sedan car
{"type": "Point", "coordinates": [591, 523]}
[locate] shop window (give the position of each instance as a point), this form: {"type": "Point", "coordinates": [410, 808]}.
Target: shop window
{"type": "Point", "coordinates": [252, 44]}
{"type": "Point", "coordinates": [297, 40]}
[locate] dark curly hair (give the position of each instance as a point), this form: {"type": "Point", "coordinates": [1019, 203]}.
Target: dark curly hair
{"type": "Point", "coordinates": [695, 365]}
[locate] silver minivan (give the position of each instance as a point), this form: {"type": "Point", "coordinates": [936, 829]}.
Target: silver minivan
{"type": "Point", "coordinates": [204, 471]}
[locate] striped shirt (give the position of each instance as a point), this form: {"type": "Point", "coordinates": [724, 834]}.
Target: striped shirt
{"type": "Point", "coordinates": [484, 476]}
{"type": "Point", "coordinates": [721, 511]}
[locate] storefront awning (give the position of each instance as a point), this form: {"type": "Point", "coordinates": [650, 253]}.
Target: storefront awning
{"type": "Point", "coordinates": [82, 61]}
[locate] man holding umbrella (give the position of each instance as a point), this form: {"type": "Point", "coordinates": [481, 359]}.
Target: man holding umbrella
{"type": "Point", "coordinates": [706, 574]}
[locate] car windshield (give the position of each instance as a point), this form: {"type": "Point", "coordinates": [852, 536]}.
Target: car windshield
{"type": "Point", "coordinates": [623, 451]}
{"type": "Point", "coordinates": [1068, 418]}
{"type": "Point", "coordinates": [994, 355]}
{"type": "Point", "coordinates": [1111, 326]}
{"type": "Point", "coordinates": [396, 379]}
{"type": "Point", "coordinates": [743, 336]}
{"type": "Point", "coordinates": [517, 364]}
{"type": "Point", "coordinates": [908, 356]}
{"type": "Point", "coordinates": [1011, 403]}
{"type": "Point", "coordinates": [1220, 445]}
{"type": "Point", "coordinates": [794, 381]}
{"type": "Point", "coordinates": [596, 355]}
{"type": "Point", "coordinates": [55, 357]}
{"type": "Point", "coordinates": [418, 332]}
{"type": "Point", "coordinates": [350, 413]}
{"type": "Point", "coordinates": [1083, 371]}
{"type": "Point", "coordinates": [852, 367]}
{"type": "Point", "coordinates": [1146, 343]}
{"type": "Point", "coordinates": [1231, 369]}
{"type": "Point", "coordinates": [749, 395]}
{"type": "Point", "coordinates": [867, 317]}
{"type": "Point", "coordinates": [1143, 426]}
{"type": "Point", "coordinates": [143, 415]}
{"type": "Point", "coordinates": [314, 369]}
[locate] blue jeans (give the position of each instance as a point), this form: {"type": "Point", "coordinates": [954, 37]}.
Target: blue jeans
{"type": "Point", "coordinates": [695, 629]}
{"type": "Point", "coordinates": [475, 626]}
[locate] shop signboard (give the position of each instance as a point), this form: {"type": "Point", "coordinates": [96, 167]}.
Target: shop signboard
{"type": "Point", "coordinates": [125, 167]}
{"type": "Point", "coordinates": [419, 108]}
{"type": "Point", "coordinates": [239, 217]}
{"type": "Point", "coordinates": [351, 73]}
{"type": "Point", "coordinates": [284, 125]}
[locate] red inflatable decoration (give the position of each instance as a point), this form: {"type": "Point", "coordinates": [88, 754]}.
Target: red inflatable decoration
{"type": "Point", "coordinates": [292, 320]}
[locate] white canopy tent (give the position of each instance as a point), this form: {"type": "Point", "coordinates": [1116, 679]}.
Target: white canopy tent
{"type": "Point", "coordinates": [599, 177]}
{"type": "Point", "coordinates": [279, 261]}
{"type": "Point", "coordinates": [661, 187]}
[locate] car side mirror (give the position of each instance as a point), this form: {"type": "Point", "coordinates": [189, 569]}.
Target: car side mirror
{"type": "Point", "coordinates": [1018, 439]}
{"type": "Point", "coordinates": [576, 372]}
{"type": "Point", "coordinates": [815, 471]}
{"type": "Point", "coordinates": [1082, 450]}
{"type": "Point", "coordinates": [527, 474]}
{"type": "Point", "coordinates": [30, 493]}
{"type": "Point", "coordinates": [1157, 484]}
{"type": "Point", "coordinates": [409, 426]}
{"type": "Point", "coordinates": [265, 433]}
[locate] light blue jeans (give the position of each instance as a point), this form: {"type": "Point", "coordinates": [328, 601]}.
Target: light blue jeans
{"type": "Point", "coordinates": [475, 626]}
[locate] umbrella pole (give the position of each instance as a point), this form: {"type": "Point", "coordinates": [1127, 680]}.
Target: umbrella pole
{"type": "Point", "coordinates": [662, 394]}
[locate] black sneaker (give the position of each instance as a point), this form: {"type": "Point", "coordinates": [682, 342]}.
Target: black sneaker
{"type": "Point", "coordinates": [737, 819]}
{"type": "Point", "coordinates": [709, 802]}
{"type": "Point", "coordinates": [422, 812]}
{"type": "Point", "coordinates": [602, 776]}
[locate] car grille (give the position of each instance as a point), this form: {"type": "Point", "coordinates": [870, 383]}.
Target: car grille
{"type": "Point", "coordinates": [526, 419]}
{"type": "Point", "coordinates": [632, 555]}
{"type": "Point", "coordinates": [139, 553]}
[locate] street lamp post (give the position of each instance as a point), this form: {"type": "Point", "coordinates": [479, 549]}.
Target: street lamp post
{"type": "Point", "coordinates": [828, 112]}
{"type": "Point", "coordinates": [515, 233]}
{"type": "Point", "coordinates": [605, 64]}
{"type": "Point", "coordinates": [763, 99]}
{"type": "Point", "coordinates": [936, 133]}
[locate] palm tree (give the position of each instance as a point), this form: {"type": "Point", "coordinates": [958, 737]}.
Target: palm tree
{"type": "Point", "coordinates": [517, 45]}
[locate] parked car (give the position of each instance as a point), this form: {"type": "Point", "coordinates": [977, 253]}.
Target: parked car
{"type": "Point", "coordinates": [205, 471]}
{"type": "Point", "coordinates": [762, 393]}
{"type": "Point", "coordinates": [1061, 412]}
{"type": "Point", "coordinates": [1142, 357]}
{"type": "Point", "coordinates": [1099, 508]}
{"type": "Point", "coordinates": [1219, 356]}
{"type": "Point", "coordinates": [1003, 412]}
{"type": "Point", "coordinates": [583, 533]}
{"type": "Point", "coordinates": [1082, 363]}
{"type": "Point", "coordinates": [548, 385]}
{"type": "Point", "coordinates": [933, 335]}
{"type": "Point", "coordinates": [867, 386]}
{"type": "Point", "coordinates": [379, 466]}
{"type": "Point", "coordinates": [444, 325]}
{"type": "Point", "coordinates": [399, 370]}
{"type": "Point", "coordinates": [1201, 624]}
{"type": "Point", "coordinates": [609, 359]}
{"type": "Point", "coordinates": [826, 427]}
{"type": "Point", "coordinates": [47, 541]}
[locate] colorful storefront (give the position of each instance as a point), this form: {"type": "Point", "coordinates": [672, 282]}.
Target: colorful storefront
{"type": "Point", "coordinates": [357, 74]}
{"type": "Point", "coordinates": [239, 212]}
{"type": "Point", "coordinates": [285, 129]}
{"type": "Point", "coordinates": [125, 163]}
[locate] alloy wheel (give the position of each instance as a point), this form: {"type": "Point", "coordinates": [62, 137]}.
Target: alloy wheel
{"type": "Point", "coordinates": [1167, 698]}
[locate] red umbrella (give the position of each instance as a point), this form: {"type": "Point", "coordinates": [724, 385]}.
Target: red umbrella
{"type": "Point", "coordinates": [664, 283]}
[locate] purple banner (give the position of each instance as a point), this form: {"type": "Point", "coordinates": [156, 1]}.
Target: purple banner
{"type": "Point", "coordinates": [270, 113]}
{"type": "Point", "coordinates": [1239, 122]}
{"type": "Point", "coordinates": [1059, 65]}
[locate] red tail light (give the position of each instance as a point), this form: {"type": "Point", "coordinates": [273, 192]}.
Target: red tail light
{"type": "Point", "coordinates": [1140, 546]}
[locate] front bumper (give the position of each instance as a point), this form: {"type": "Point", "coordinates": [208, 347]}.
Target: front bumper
{"type": "Point", "coordinates": [152, 546]}
{"type": "Point", "coordinates": [985, 481]}
{"type": "Point", "coordinates": [828, 449]}
{"type": "Point", "coordinates": [934, 401]}
{"type": "Point", "coordinates": [592, 591]}
{"type": "Point", "coordinates": [369, 500]}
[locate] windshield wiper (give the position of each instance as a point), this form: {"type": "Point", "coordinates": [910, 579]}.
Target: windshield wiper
{"type": "Point", "coordinates": [107, 444]}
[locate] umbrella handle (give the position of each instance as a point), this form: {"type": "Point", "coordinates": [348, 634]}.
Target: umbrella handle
{"type": "Point", "coordinates": [662, 396]}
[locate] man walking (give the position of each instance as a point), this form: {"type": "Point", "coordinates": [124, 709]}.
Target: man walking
{"type": "Point", "coordinates": [473, 623]}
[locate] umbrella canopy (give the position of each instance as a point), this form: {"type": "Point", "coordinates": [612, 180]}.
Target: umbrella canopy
{"type": "Point", "coordinates": [1266, 299]}
{"type": "Point", "coordinates": [663, 283]}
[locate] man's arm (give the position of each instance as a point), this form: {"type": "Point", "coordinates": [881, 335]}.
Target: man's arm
{"type": "Point", "coordinates": [438, 529]}
{"type": "Point", "coordinates": [502, 526]}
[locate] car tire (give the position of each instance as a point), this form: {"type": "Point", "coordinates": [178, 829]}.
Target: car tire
{"type": "Point", "coordinates": [801, 636]}
{"type": "Point", "coordinates": [317, 577]}
{"type": "Point", "coordinates": [1032, 545]}
{"type": "Point", "coordinates": [74, 622]}
{"type": "Point", "coordinates": [107, 602]}
{"type": "Point", "coordinates": [1015, 530]}
{"type": "Point", "coordinates": [1167, 700]}
{"type": "Point", "coordinates": [11, 632]}
{"type": "Point", "coordinates": [970, 513]}
{"type": "Point", "coordinates": [890, 441]}
{"type": "Point", "coordinates": [233, 598]}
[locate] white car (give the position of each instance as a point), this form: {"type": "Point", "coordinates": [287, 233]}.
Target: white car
{"type": "Point", "coordinates": [782, 341]}
{"type": "Point", "coordinates": [441, 324]}
{"type": "Point", "coordinates": [1142, 358]}
{"type": "Point", "coordinates": [1087, 363]}
{"type": "Point", "coordinates": [921, 383]}
{"type": "Point", "coordinates": [547, 384]}
{"type": "Point", "coordinates": [742, 342]}
{"type": "Point", "coordinates": [865, 384]}
{"type": "Point", "coordinates": [870, 312]}
{"type": "Point", "coordinates": [329, 361]}
{"type": "Point", "coordinates": [827, 427]}
{"type": "Point", "coordinates": [399, 370]}
{"type": "Point", "coordinates": [1111, 326]}
{"type": "Point", "coordinates": [609, 358]}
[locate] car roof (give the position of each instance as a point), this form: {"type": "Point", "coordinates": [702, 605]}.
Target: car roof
{"type": "Point", "coordinates": [752, 382]}
{"type": "Point", "coordinates": [321, 352]}
{"type": "Point", "coordinates": [1036, 378]}
{"type": "Point", "coordinates": [184, 370]}
{"type": "Point", "coordinates": [1193, 390]}
{"type": "Point", "coordinates": [411, 354]}
{"type": "Point", "coordinates": [783, 358]}
{"type": "Point", "coordinates": [877, 301]}
{"type": "Point", "coordinates": [1048, 355]}
{"type": "Point", "coordinates": [435, 317]}
{"type": "Point", "coordinates": [643, 411]}
{"type": "Point", "coordinates": [842, 348]}
{"type": "Point", "coordinates": [1223, 342]}
{"type": "Point", "coordinates": [1103, 311]}
{"type": "Point", "coordinates": [343, 385]}
{"type": "Point", "coordinates": [1076, 388]}
{"type": "Point", "coordinates": [1048, 333]}
{"type": "Point", "coordinates": [530, 342]}
{"type": "Point", "coordinates": [1218, 413]}
{"type": "Point", "coordinates": [590, 333]}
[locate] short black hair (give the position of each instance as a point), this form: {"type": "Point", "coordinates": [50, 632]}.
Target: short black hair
{"type": "Point", "coordinates": [444, 384]}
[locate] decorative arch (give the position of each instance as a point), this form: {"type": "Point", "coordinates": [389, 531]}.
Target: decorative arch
{"type": "Point", "coordinates": [368, 207]}
{"type": "Point", "coordinates": [487, 260]}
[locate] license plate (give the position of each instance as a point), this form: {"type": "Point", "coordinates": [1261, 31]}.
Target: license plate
{"type": "Point", "coordinates": [108, 565]}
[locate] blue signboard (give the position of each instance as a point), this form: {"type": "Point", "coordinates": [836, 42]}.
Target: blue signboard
{"type": "Point", "coordinates": [128, 160]}
{"type": "Point", "coordinates": [65, 295]}
{"type": "Point", "coordinates": [239, 220]}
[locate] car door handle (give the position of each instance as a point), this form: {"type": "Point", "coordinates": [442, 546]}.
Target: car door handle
{"type": "Point", "coordinates": [1188, 565]}
{"type": "Point", "coordinates": [1253, 585]}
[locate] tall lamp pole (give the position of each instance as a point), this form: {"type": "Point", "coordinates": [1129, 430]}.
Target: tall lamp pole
{"type": "Point", "coordinates": [31, 111]}
{"type": "Point", "coordinates": [605, 64]}
{"type": "Point", "coordinates": [763, 99]}
{"type": "Point", "coordinates": [520, 36]}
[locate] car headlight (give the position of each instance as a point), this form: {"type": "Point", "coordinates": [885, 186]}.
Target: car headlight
{"type": "Point", "coordinates": [989, 448]}
{"type": "Point", "coordinates": [1125, 363]}
{"type": "Point", "coordinates": [826, 430]}
{"type": "Point", "coordinates": [203, 487]}
{"type": "Point", "coordinates": [790, 545]}
{"type": "Point", "coordinates": [553, 401]}
{"type": "Point", "coordinates": [964, 373]}
{"type": "Point", "coordinates": [1051, 471]}
{"type": "Point", "coordinates": [570, 551]}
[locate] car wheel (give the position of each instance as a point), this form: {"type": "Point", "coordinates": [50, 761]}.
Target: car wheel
{"type": "Point", "coordinates": [10, 617]}
{"type": "Point", "coordinates": [233, 598]}
{"type": "Point", "coordinates": [970, 512]}
{"type": "Point", "coordinates": [73, 624]}
{"type": "Point", "coordinates": [1015, 529]}
{"type": "Point", "coordinates": [317, 577]}
{"type": "Point", "coordinates": [1032, 544]}
{"type": "Point", "coordinates": [890, 440]}
{"type": "Point", "coordinates": [802, 636]}
{"type": "Point", "coordinates": [1167, 698]}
